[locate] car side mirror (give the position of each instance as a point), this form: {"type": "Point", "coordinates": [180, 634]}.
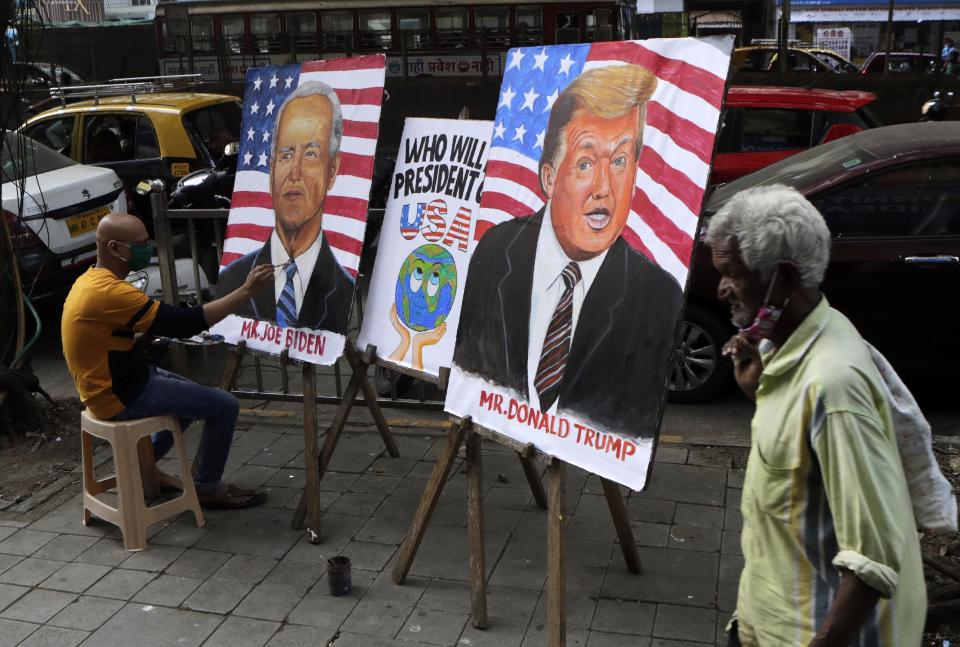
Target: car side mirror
{"type": "Point", "coordinates": [229, 157]}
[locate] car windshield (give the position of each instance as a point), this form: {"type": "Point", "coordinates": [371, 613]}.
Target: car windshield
{"type": "Point", "coordinates": [22, 156]}
{"type": "Point", "coordinates": [798, 171]}
{"type": "Point", "coordinates": [215, 126]}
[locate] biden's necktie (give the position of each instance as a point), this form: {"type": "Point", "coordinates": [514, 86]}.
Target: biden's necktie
{"type": "Point", "coordinates": [556, 344]}
{"type": "Point", "coordinates": [287, 303]}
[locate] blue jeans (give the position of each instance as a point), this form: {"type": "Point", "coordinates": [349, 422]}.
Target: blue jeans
{"type": "Point", "coordinates": [168, 394]}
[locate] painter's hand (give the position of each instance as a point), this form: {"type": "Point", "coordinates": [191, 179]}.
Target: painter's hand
{"type": "Point", "coordinates": [258, 279]}
{"type": "Point", "coordinates": [747, 365]}
{"type": "Point", "coordinates": [404, 345]}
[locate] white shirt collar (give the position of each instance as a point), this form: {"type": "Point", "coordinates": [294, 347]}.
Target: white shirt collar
{"type": "Point", "coordinates": [305, 264]}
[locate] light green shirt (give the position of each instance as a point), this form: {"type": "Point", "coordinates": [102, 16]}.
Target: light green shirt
{"type": "Point", "coordinates": [825, 488]}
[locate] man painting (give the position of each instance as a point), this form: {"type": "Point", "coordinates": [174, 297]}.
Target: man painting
{"type": "Point", "coordinates": [558, 307]}
{"type": "Point", "coordinates": [831, 557]}
{"type": "Point", "coordinates": [311, 290]}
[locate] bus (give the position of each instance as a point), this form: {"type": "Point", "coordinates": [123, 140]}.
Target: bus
{"type": "Point", "coordinates": [220, 39]}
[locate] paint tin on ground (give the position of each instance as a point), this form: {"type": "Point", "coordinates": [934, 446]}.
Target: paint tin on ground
{"type": "Point", "coordinates": [338, 575]}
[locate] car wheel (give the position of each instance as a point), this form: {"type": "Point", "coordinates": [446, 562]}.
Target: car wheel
{"type": "Point", "coordinates": [383, 381]}
{"type": "Point", "coordinates": [698, 371]}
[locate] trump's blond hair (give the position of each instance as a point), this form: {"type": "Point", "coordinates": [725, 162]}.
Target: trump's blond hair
{"type": "Point", "coordinates": [607, 92]}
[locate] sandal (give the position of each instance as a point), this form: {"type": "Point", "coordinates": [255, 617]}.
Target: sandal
{"type": "Point", "coordinates": [231, 498]}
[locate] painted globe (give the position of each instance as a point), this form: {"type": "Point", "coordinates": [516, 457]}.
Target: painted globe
{"type": "Point", "coordinates": [426, 287]}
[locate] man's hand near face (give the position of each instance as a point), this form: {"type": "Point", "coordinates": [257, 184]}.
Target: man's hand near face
{"type": "Point", "coordinates": [747, 365]}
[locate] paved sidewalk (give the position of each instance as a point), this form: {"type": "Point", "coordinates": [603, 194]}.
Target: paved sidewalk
{"type": "Point", "coordinates": [246, 579]}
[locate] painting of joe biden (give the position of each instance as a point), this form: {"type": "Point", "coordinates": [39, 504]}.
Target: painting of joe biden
{"type": "Point", "coordinates": [558, 307]}
{"type": "Point", "coordinates": [311, 290]}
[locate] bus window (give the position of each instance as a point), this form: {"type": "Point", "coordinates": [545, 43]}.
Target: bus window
{"type": "Point", "coordinates": [266, 31]}
{"type": "Point", "coordinates": [599, 27]}
{"type": "Point", "coordinates": [529, 26]}
{"type": "Point", "coordinates": [302, 29]}
{"type": "Point", "coordinates": [201, 31]}
{"type": "Point", "coordinates": [494, 24]}
{"type": "Point", "coordinates": [414, 27]}
{"type": "Point", "coordinates": [568, 28]}
{"type": "Point", "coordinates": [452, 27]}
{"type": "Point", "coordinates": [375, 29]}
{"type": "Point", "coordinates": [337, 30]}
{"type": "Point", "coordinates": [232, 29]}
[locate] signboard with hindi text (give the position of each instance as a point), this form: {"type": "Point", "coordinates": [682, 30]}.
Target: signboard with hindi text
{"type": "Point", "coordinates": [413, 306]}
{"type": "Point", "coordinates": [597, 169]}
{"type": "Point", "coordinates": [308, 137]}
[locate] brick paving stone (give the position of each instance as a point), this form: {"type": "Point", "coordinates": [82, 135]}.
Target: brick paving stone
{"type": "Point", "coordinates": [26, 542]}
{"type": "Point", "coordinates": [242, 632]}
{"type": "Point", "coordinates": [727, 596]}
{"type": "Point", "coordinates": [376, 484]}
{"type": "Point", "coordinates": [523, 565]}
{"type": "Point", "coordinates": [6, 531]}
{"type": "Point", "coordinates": [167, 590]}
{"type": "Point", "coordinates": [121, 583]}
{"type": "Point", "coordinates": [508, 498]}
{"type": "Point", "coordinates": [588, 552]}
{"type": "Point", "coordinates": [358, 503]}
{"type": "Point", "coordinates": [430, 626]}
{"type": "Point", "coordinates": [300, 636]}
{"type": "Point", "coordinates": [86, 613]}
{"type": "Point", "coordinates": [30, 571]}
{"type": "Point", "coordinates": [299, 575]}
{"type": "Point", "coordinates": [735, 478]}
{"type": "Point", "coordinates": [155, 627]}
{"type": "Point", "coordinates": [671, 576]}
{"type": "Point", "coordinates": [337, 481]}
{"type": "Point", "coordinates": [731, 542]}
{"type": "Point", "coordinates": [183, 532]}
{"type": "Point", "coordinates": [383, 531]}
{"type": "Point", "coordinates": [319, 609]}
{"type": "Point", "coordinates": [393, 466]}
{"type": "Point", "coordinates": [383, 588]}
{"type": "Point", "coordinates": [368, 556]}
{"type": "Point", "coordinates": [660, 642]}
{"type": "Point", "coordinates": [511, 603]}
{"type": "Point", "coordinates": [273, 456]}
{"type": "Point", "coordinates": [197, 563]}
{"type": "Point", "coordinates": [732, 519]}
{"type": "Point", "coordinates": [706, 457]}
{"type": "Point", "coordinates": [350, 639]}
{"type": "Point", "coordinates": [55, 637]}
{"type": "Point", "coordinates": [270, 602]}
{"type": "Point", "coordinates": [253, 476]}
{"type": "Point", "coordinates": [685, 537]}
{"type": "Point", "coordinates": [685, 623]}
{"type": "Point", "coordinates": [646, 533]}
{"type": "Point", "coordinates": [65, 547]}
{"type": "Point", "coordinates": [643, 508]}
{"type": "Point", "coordinates": [286, 477]}
{"type": "Point", "coordinates": [691, 514]}
{"type": "Point", "coordinates": [10, 593]}
{"type": "Point", "coordinates": [730, 567]}
{"type": "Point", "coordinates": [260, 531]}
{"type": "Point", "coordinates": [536, 636]}
{"type": "Point", "coordinates": [14, 631]}
{"type": "Point", "coordinates": [66, 519]}
{"type": "Point", "coordinates": [217, 596]}
{"type": "Point", "coordinates": [107, 551]}
{"type": "Point", "coordinates": [604, 639]}
{"type": "Point", "coordinates": [688, 484]}
{"type": "Point", "coordinates": [500, 632]}
{"type": "Point", "coordinates": [449, 595]}
{"type": "Point", "coordinates": [39, 605]}
{"type": "Point", "coordinates": [156, 558]}
{"type": "Point", "coordinates": [377, 618]}
{"type": "Point", "coordinates": [671, 454]}
{"type": "Point", "coordinates": [75, 578]}
{"type": "Point", "coordinates": [733, 497]}
{"type": "Point", "coordinates": [624, 616]}
{"type": "Point", "coordinates": [9, 561]}
{"type": "Point", "coordinates": [246, 568]}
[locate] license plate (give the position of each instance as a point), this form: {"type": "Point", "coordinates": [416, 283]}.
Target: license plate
{"type": "Point", "coordinates": [85, 222]}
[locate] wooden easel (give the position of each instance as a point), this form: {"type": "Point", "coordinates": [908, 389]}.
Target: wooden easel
{"type": "Point", "coordinates": [315, 462]}
{"type": "Point", "coordinates": [464, 428]}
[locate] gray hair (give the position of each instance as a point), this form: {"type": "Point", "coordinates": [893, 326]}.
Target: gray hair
{"type": "Point", "coordinates": [771, 224]}
{"type": "Point", "coordinates": [310, 89]}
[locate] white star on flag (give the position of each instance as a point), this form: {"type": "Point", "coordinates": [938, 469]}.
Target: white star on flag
{"type": "Point", "coordinates": [517, 57]}
{"type": "Point", "coordinates": [565, 64]}
{"type": "Point", "coordinates": [266, 135]}
{"type": "Point", "coordinates": [528, 98]}
{"type": "Point", "coordinates": [507, 98]}
{"type": "Point", "coordinates": [498, 130]}
{"type": "Point", "coordinates": [540, 135]}
{"type": "Point", "coordinates": [273, 81]}
{"type": "Point", "coordinates": [270, 107]}
{"type": "Point", "coordinates": [250, 134]}
{"type": "Point", "coordinates": [262, 159]}
{"type": "Point", "coordinates": [540, 59]}
{"type": "Point", "coordinates": [287, 81]}
{"type": "Point", "coordinates": [519, 133]}
{"type": "Point", "coordinates": [551, 99]}
{"type": "Point", "coordinates": [257, 82]}
{"type": "Point", "coordinates": [246, 158]}
{"type": "Point", "coordinates": [255, 108]}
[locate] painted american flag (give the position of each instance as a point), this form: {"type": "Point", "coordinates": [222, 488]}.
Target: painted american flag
{"type": "Point", "coordinates": [358, 82]}
{"type": "Point", "coordinates": [674, 165]}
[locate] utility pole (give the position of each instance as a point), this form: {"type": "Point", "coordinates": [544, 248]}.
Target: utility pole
{"type": "Point", "coordinates": [889, 44]}
{"type": "Point", "coordinates": [784, 38]}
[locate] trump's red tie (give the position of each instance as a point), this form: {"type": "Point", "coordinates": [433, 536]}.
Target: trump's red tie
{"type": "Point", "coordinates": [556, 344]}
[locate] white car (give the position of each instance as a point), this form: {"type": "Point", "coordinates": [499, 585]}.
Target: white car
{"type": "Point", "coordinates": [52, 206]}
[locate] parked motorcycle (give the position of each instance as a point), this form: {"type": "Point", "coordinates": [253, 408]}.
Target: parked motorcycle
{"type": "Point", "coordinates": [943, 106]}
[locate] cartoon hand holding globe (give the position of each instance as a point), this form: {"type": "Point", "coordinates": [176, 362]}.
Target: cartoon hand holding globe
{"type": "Point", "coordinates": [424, 295]}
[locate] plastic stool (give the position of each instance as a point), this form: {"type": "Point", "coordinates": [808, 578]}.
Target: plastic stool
{"type": "Point", "coordinates": [129, 439]}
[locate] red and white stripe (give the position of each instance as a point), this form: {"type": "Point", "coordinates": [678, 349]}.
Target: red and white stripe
{"type": "Point", "coordinates": [674, 166]}
{"type": "Point", "coordinates": [358, 82]}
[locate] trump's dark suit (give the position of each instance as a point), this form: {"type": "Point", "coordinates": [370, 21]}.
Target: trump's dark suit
{"type": "Point", "coordinates": [326, 301]}
{"type": "Point", "coordinates": [617, 366]}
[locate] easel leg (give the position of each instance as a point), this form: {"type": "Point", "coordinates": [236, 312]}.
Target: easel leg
{"type": "Point", "coordinates": [622, 523]}
{"type": "Point", "coordinates": [362, 365]}
{"type": "Point", "coordinates": [311, 487]}
{"type": "Point", "coordinates": [428, 502]}
{"type": "Point", "coordinates": [533, 478]}
{"type": "Point", "coordinates": [556, 577]}
{"type": "Point", "coordinates": [475, 543]}
{"type": "Point", "coordinates": [232, 369]}
{"type": "Point", "coordinates": [329, 444]}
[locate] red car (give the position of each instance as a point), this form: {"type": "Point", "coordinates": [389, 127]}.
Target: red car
{"type": "Point", "coordinates": [763, 125]}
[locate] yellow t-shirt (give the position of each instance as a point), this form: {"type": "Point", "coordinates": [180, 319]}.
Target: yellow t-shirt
{"type": "Point", "coordinates": [100, 316]}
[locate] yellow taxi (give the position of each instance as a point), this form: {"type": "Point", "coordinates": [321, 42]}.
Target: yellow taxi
{"type": "Point", "coordinates": [141, 135]}
{"type": "Point", "coordinates": [763, 58]}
